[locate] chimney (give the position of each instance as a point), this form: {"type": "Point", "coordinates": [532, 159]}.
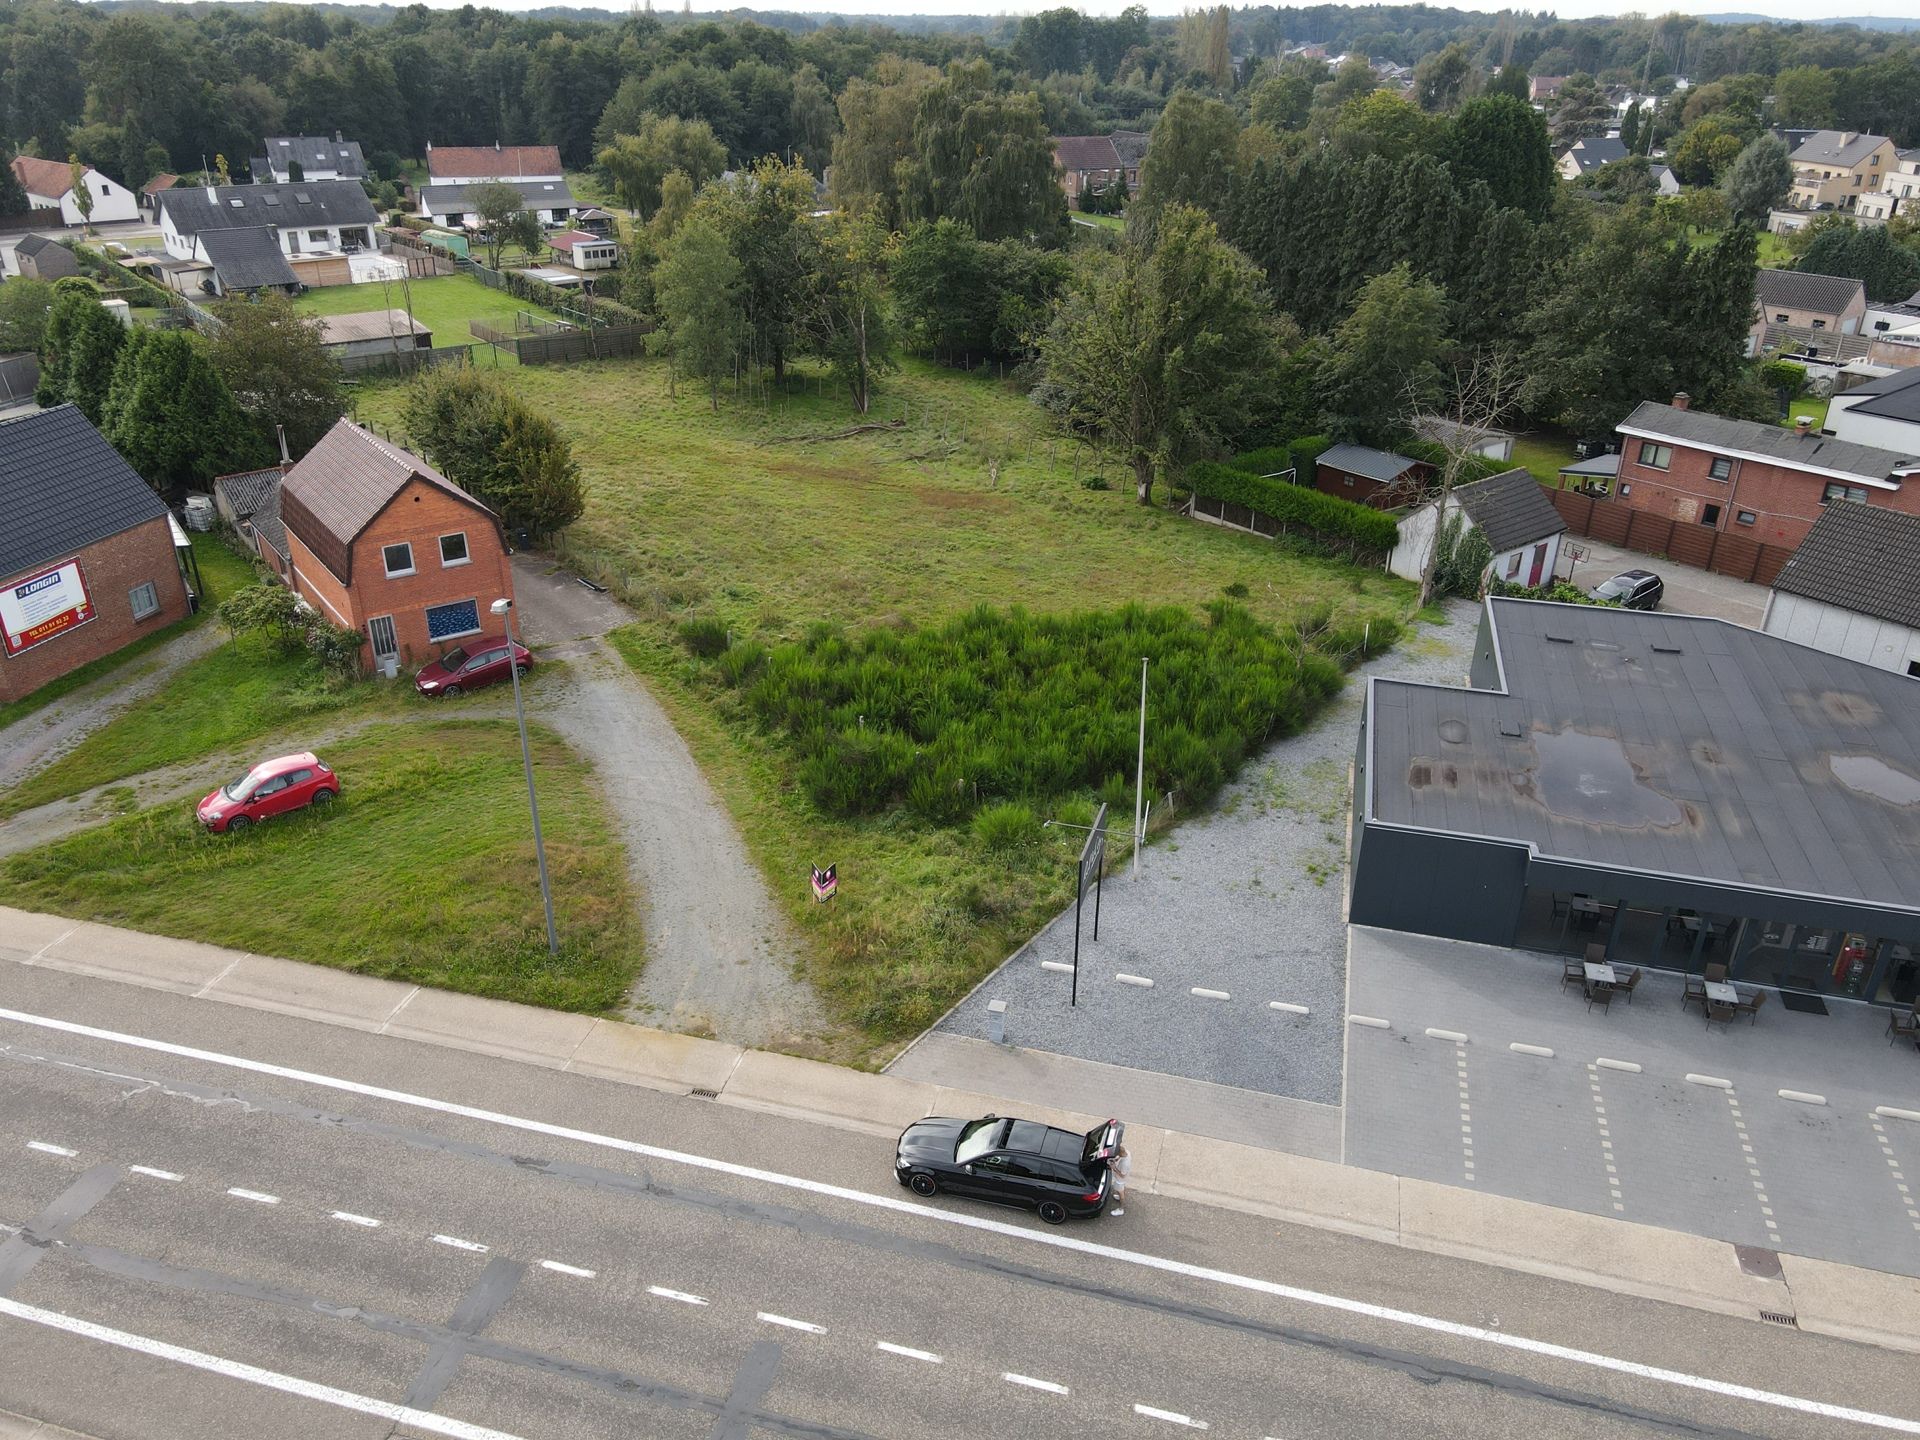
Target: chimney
{"type": "Point", "coordinates": [1847, 137]}
{"type": "Point", "coordinates": [1682, 400]}
{"type": "Point", "coordinates": [1803, 426]}
{"type": "Point", "coordinates": [285, 459]}
{"type": "Point", "coordinates": [496, 147]}
{"type": "Point", "coordinates": [336, 137]}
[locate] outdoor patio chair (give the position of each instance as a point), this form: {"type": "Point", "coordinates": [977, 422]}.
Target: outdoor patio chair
{"type": "Point", "coordinates": [1625, 987]}
{"type": "Point", "coordinates": [1570, 969]}
{"type": "Point", "coordinates": [1695, 993]}
{"type": "Point", "coordinates": [1750, 1007]}
{"type": "Point", "coordinates": [1601, 995]}
{"type": "Point", "coordinates": [1903, 1027]}
{"type": "Point", "coordinates": [1596, 955]}
{"type": "Point", "coordinates": [1721, 1012]}
{"type": "Point", "coordinates": [1716, 971]}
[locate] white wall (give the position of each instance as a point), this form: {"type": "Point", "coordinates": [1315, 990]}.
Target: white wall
{"type": "Point", "coordinates": [1525, 552]}
{"type": "Point", "coordinates": [1409, 557]}
{"type": "Point", "coordinates": [1841, 632]}
{"type": "Point", "coordinates": [1902, 436]}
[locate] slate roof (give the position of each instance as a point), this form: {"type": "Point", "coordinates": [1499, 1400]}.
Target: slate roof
{"type": "Point", "coordinates": [1131, 146]}
{"type": "Point", "coordinates": [1607, 464]}
{"type": "Point", "coordinates": [1833, 147]}
{"type": "Point", "coordinates": [534, 194]}
{"type": "Point", "coordinates": [491, 162]}
{"type": "Point", "coordinates": [254, 496]}
{"type": "Point", "coordinates": [1510, 509]}
{"type": "Point", "coordinates": [1663, 743]}
{"type": "Point", "coordinates": [1381, 465]}
{"type": "Point", "coordinates": [242, 207]}
{"type": "Point", "coordinates": [313, 152]}
{"type": "Point", "coordinates": [341, 484]}
{"type": "Point", "coordinates": [1774, 444]}
{"type": "Point", "coordinates": [51, 260]}
{"type": "Point", "coordinates": [1590, 154]}
{"type": "Point", "coordinates": [248, 259]}
{"type": "Point", "coordinates": [62, 487]}
{"type": "Point", "coordinates": [1895, 396]}
{"type": "Point", "coordinates": [1864, 558]}
{"type": "Point", "coordinates": [1086, 152]}
{"type": "Point", "coordinates": [1796, 290]}
{"type": "Point", "coordinates": [369, 325]}
{"type": "Point", "coordinates": [43, 177]}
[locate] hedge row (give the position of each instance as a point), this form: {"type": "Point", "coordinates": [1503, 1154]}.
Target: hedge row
{"type": "Point", "coordinates": [1298, 456]}
{"type": "Point", "coordinates": [1333, 520]}
{"type": "Point", "coordinates": [1475, 467]}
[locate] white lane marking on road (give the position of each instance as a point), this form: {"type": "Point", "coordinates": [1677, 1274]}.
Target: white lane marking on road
{"type": "Point", "coordinates": [45, 1149]}
{"type": "Point", "coordinates": [1206, 994]}
{"type": "Point", "coordinates": [1805, 1097]}
{"type": "Point", "coordinates": [364, 1221]}
{"type": "Point", "coordinates": [156, 1174]}
{"type": "Point", "coordinates": [1891, 1113]}
{"type": "Point", "coordinates": [1137, 980]}
{"type": "Point", "coordinates": [559, 1269]}
{"type": "Point", "coordinates": [1032, 1384]}
{"type": "Point", "coordinates": [1410, 1319]}
{"type": "Point", "coordinates": [682, 1296]}
{"type": "Point", "coordinates": [790, 1323]}
{"type": "Point", "coordinates": [1288, 1007]}
{"type": "Point", "coordinates": [1172, 1417]}
{"type": "Point", "coordinates": [1606, 1135]}
{"type": "Point", "coordinates": [1893, 1167]}
{"type": "Point", "coordinates": [908, 1351]}
{"type": "Point", "coordinates": [1372, 1022]}
{"type": "Point", "coordinates": [1453, 1035]}
{"type": "Point", "coordinates": [1713, 1082]}
{"type": "Point", "coordinates": [1057, 965]}
{"type": "Point", "coordinates": [455, 1242]}
{"type": "Point", "coordinates": [1753, 1167]}
{"type": "Point", "coordinates": [1466, 1105]}
{"type": "Point", "coordinates": [253, 1374]}
{"type": "Point", "coordinates": [259, 1197]}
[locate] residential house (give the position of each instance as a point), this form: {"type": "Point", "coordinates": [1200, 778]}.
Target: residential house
{"type": "Point", "coordinates": [313, 226]}
{"type": "Point", "coordinates": [1369, 477]}
{"type": "Point", "coordinates": [1478, 439]}
{"type": "Point", "coordinates": [49, 186]}
{"type": "Point", "coordinates": [1799, 302]}
{"type": "Point", "coordinates": [373, 332]}
{"type": "Point", "coordinates": [1583, 157]}
{"type": "Point", "coordinates": [308, 157]}
{"type": "Point", "coordinates": [1765, 482]}
{"type": "Point", "coordinates": [1852, 589]}
{"type": "Point", "coordinates": [38, 257]}
{"type": "Point", "coordinates": [1832, 169]}
{"type": "Point", "coordinates": [1897, 191]}
{"type": "Point", "coordinates": [533, 170]}
{"type": "Point", "coordinates": [1887, 316]}
{"type": "Point", "coordinates": [1542, 88]}
{"type": "Point", "coordinates": [1131, 147]}
{"type": "Point", "coordinates": [250, 503]}
{"type": "Point", "coordinates": [1088, 163]}
{"type": "Point", "coordinates": [88, 558]}
{"type": "Point", "coordinates": [1883, 412]}
{"type": "Point", "coordinates": [1510, 510]}
{"type": "Point", "coordinates": [382, 543]}
{"type": "Point", "coordinates": [583, 251]}
{"type": "Point", "coordinates": [595, 221]}
{"type": "Point", "coordinates": [1665, 182]}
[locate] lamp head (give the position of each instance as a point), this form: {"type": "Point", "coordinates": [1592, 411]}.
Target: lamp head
{"type": "Point", "coordinates": [501, 607]}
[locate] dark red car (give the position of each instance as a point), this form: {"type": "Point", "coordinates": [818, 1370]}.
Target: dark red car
{"type": "Point", "coordinates": [272, 787]}
{"type": "Point", "coordinates": [463, 669]}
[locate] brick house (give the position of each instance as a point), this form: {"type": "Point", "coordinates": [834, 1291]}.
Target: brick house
{"type": "Point", "coordinates": [1370, 477]}
{"type": "Point", "coordinates": [1765, 482]}
{"type": "Point", "coordinates": [1088, 163]}
{"type": "Point", "coordinates": [379, 541]}
{"type": "Point", "coordinates": [1828, 304]}
{"type": "Point", "coordinates": [88, 559]}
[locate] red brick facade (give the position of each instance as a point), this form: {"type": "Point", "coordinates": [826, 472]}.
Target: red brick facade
{"type": "Point", "coordinates": [112, 568]}
{"type": "Point", "coordinates": [1783, 501]}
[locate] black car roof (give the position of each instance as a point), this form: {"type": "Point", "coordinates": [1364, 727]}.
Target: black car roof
{"type": "Point", "coordinates": [1032, 1138]}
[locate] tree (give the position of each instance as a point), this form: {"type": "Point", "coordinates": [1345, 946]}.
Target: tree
{"type": "Point", "coordinates": [812, 119]}
{"type": "Point", "coordinates": [495, 204]}
{"type": "Point", "coordinates": [1503, 142]}
{"type": "Point", "coordinates": [1219, 61]}
{"type": "Point", "coordinates": [1630, 128]}
{"type": "Point", "coordinates": [847, 321]}
{"type": "Point", "coordinates": [523, 229]}
{"type": "Point", "coordinates": [1388, 357]}
{"type": "Point", "coordinates": [697, 287]}
{"type": "Point", "coordinates": [983, 158]}
{"type": "Point", "coordinates": [1803, 97]}
{"type": "Point", "coordinates": [762, 216]}
{"type": "Point", "coordinates": [1441, 77]}
{"type": "Point", "coordinates": [1485, 390]}
{"type": "Point", "coordinates": [676, 203]}
{"type": "Point", "coordinates": [1284, 98]}
{"type": "Point", "coordinates": [876, 134]}
{"type": "Point", "coordinates": [273, 360]}
{"type": "Point", "coordinates": [1384, 123]}
{"type": "Point", "coordinates": [25, 308]}
{"type": "Point", "coordinates": [963, 298]}
{"type": "Point", "coordinates": [170, 415]}
{"type": "Point", "coordinates": [1889, 270]}
{"type": "Point", "coordinates": [491, 444]}
{"type": "Point", "coordinates": [1190, 159]}
{"type": "Point", "coordinates": [1759, 180]}
{"type": "Point", "coordinates": [13, 196]}
{"type": "Point", "coordinates": [1707, 149]}
{"type": "Point", "coordinates": [80, 349]}
{"type": "Point", "coordinates": [1162, 346]}
{"type": "Point", "coordinates": [637, 163]}
{"type": "Point", "coordinates": [1579, 110]}
{"type": "Point", "coordinates": [82, 193]}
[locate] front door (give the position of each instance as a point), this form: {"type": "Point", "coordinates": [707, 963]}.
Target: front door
{"type": "Point", "coordinates": [385, 646]}
{"type": "Point", "coordinates": [1539, 564]}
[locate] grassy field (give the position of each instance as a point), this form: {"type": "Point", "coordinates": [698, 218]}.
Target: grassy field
{"type": "Point", "coordinates": [749, 519]}
{"type": "Point", "coordinates": [444, 304]}
{"type": "Point", "coordinates": [222, 571]}
{"type": "Point", "coordinates": [1813, 405]}
{"type": "Point", "coordinates": [1543, 452]}
{"type": "Point", "coordinates": [422, 871]}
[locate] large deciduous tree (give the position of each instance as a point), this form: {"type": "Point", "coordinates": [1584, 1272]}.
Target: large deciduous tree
{"type": "Point", "coordinates": [171, 416]}
{"type": "Point", "coordinates": [1163, 346]}
{"type": "Point", "coordinates": [984, 158]}
{"type": "Point", "coordinates": [876, 134]}
{"type": "Point", "coordinates": [1889, 270]}
{"type": "Point", "coordinates": [1387, 362]}
{"type": "Point", "coordinates": [1759, 179]}
{"type": "Point", "coordinates": [1190, 160]}
{"type": "Point", "coordinates": [493, 445]}
{"type": "Point", "coordinates": [274, 361]}
{"type": "Point", "coordinates": [495, 204]}
{"type": "Point", "coordinates": [637, 163]}
{"type": "Point", "coordinates": [697, 289]}
{"type": "Point", "coordinates": [763, 217]}
{"type": "Point", "coordinates": [847, 321]}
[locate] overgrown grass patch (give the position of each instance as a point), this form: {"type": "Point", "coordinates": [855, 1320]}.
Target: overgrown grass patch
{"type": "Point", "coordinates": [445, 304]}
{"type": "Point", "coordinates": [422, 871]}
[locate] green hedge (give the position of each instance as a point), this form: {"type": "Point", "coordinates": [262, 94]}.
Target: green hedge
{"type": "Point", "coordinates": [1333, 520]}
{"type": "Point", "coordinates": [1297, 455]}
{"type": "Point", "coordinates": [1476, 467]}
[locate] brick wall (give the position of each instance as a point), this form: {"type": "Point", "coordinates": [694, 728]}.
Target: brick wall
{"type": "Point", "coordinates": [1783, 501]}
{"type": "Point", "coordinates": [112, 568]}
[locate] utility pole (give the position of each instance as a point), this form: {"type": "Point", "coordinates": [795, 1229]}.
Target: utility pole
{"type": "Point", "coordinates": [1140, 775]}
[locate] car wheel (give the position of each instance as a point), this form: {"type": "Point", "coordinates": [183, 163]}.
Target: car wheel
{"type": "Point", "coordinates": [923, 1183]}
{"type": "Point", "coordinates": [321, 797]}
{"type": "Point", "coordinates": [451, 690]}
{"type": "Point", "coordinates": [237, 824]}
{"type": "Point", "coordinates": [523, 669]}
{"type": "Point", "coordinates": [1053, 1212]}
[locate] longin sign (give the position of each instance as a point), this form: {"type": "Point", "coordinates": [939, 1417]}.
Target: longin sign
{"type": "Point", "coordinates": [43, 606]}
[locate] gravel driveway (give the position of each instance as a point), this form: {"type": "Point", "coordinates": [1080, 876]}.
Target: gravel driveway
{"type": "Point", "coordinates": [720, 956]}
{"type": "Point", "coordinates": [1245, 900]}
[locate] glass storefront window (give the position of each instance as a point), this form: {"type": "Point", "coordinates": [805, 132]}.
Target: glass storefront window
{"type": "Point", "coordinates": [1812, 958]}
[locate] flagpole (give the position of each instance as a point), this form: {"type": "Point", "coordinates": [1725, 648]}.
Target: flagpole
{"type": "Point", "coordinates": [1140, 774]}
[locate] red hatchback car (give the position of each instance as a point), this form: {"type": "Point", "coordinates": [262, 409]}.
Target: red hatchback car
{"type": "Point", "coordinates": [272, 787]}
{"type": "Point", "coordinates": [461, 669]}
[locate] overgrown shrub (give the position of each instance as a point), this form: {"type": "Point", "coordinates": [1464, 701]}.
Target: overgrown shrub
{"type": "Point", "coordinates": [1559, 591]}
{"type": "Point", "coordinates": [1298, 456]}
{"type": "Point", "coordinates": [269, 609]}
{"type": "Point", "coordinates": [336, 648]}
{"type": "Point", "coordinates": [705, 636]}
{"type": "Point", "coordinates": [1336, 522]}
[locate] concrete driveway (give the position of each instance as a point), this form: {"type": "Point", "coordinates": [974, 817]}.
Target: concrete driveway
{"type": "Point", "coordinates": [1689, 591]}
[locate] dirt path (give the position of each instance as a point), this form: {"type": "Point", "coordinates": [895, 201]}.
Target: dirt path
{"type": "Point", "coordinates": [35, 741]}
{"type": "Point", "coordinates": [720, 955]}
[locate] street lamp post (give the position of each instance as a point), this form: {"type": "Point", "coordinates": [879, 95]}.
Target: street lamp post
{"type": "Point", "coordinates": [504, 609]}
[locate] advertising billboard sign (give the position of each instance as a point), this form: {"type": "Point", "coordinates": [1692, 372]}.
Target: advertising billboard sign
{"type": "Point", "coordinates": [42, 606]}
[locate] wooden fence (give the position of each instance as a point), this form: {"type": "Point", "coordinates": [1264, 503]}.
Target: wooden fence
{"type": "Point", "coordinates": [405, 362]}
{"type": "Point", "coordinates": [611, 342]}
{"type": "Point", "coordinates": [421, 262]}
{"type": "Point", "coordinates": [1701, 546]}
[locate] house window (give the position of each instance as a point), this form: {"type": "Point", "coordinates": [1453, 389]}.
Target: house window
{"type": "Point", "coordinates": [1625, 490]}
{"type": "Point", "coordinates": [1780, 319]}
{"type": "Point", "coordinates": [398, 559]}
{"type": "Point", "coordinates": [453, 549]}
{"type": "Point", "coordinates": [1720, 468]}
{"type": "Point", "coordinates": [1657, 456]}
{"type": "Point", "coordinates": [1709, 514]}
{"type": "Point", "coordinates": [449, 622]}
{"type": "Point", "coordinates": [1745, 517]}
{"type": "Point", "coordinates": [1513, 565]}
{"type": "Point", "coordinates": [146, 600]}
{"type": "Point", "coordinates": [1819, 324]}
{"type": "Point", "coordinates": [1836, 491]}
{"type": "Point", "coordinates": [1913, 668]}
{"type": "Point", "coordinates": [316, 237]}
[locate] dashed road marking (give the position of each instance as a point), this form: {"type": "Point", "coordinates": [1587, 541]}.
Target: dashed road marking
{"type": "Point", "coordinates": [1140, 980]}
{"type": "Point", "coordinates": [1206, 994]}
{"type": "Point", "coordinates": [790, 1323]}
{"type": "Point", "coordinates": [1899, 1175]}
{"type": "Point", "coordinates": [1753, 1165]}
{"type": "Point", "coordinates": [1172, 1417]}
{"type": "Point", "coordinates": [1803, 1096]}
{"type": "Point", "coordinates": [1606, 1134]}
{"type": "Point", "coordinates": [559, 1269]}
{"type": "Point", "coordinates": [1032, 1384]}
{"type": "Point", "coordinates": [908, 1351]}
{"type": "Point", "coordinates": [1372, 1022]}
{"type": "Point", "coordinates": [45, 1149]}
{"type": "Point", "coordinates": [366, 1222]}
{"type": "Point", "coordinates": [682, 1296]}
{"type": "Point", "coordinates": [1466, 1109]}
{"type": "Point", "coordinates": [456, 1243]}
{"type": "Point", "coordinates": [258, 1197]}
{"type": "Point", "coordinates": [149, 1170]}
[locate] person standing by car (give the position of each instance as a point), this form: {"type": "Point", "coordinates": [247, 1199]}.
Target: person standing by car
{"type": "Point", "coordinates": [1119, 1168]}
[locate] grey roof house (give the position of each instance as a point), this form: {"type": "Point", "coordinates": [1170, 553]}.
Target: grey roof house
{"type": "Point", "coordinates": [319, 217]}
{"type": "Point", "coordinates": [1521, 526]}
{"type": "Point", "coordinates": [1583, 157]}
{"type": "Point", "coordinates": [250, 503]}
{"type": "Point", "coordinates": [1853, 588]}
{"type": "Point", "coordinates": [247, 260]}
{"type": "Point", "coordinates": [1884, 412]}
{"type": "Point", "coordinates": [317, 157]}
{"type": "Point", "coordinates": [37, 257]}
{"type": "Point", "coordinates": [1368, 476]}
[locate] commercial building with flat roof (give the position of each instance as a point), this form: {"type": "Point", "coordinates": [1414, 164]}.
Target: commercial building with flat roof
{"type": "Point", "coordinates": [1683, 791]}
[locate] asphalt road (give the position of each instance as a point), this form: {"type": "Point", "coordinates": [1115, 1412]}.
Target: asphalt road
{"type": "Point", "coordinates": [305, 1232]}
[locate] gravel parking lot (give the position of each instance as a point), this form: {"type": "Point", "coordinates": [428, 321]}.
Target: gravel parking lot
{"type": "Point", "coordinates": [1244, 900]}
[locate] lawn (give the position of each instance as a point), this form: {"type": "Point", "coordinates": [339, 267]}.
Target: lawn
{"type": "Point", "coordinates": [1813, 405]}
{"type": "Point", "coordinates": [1543, 452]}
{"type": "Point", "coordinates": [422, 871]}
{"type": "Point", "coordinates": [444, 304]}
{"type": "Point", "coordinates": [751, 521]}
{"type": "Point", "coordinates": [1115, 223]}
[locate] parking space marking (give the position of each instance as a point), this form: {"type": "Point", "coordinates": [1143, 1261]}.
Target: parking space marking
{"type": "Point", "coordinates": [682, 1296]}
{"type": "Point", "coordinates": [365, 1222]}
{"type": "Point", "coordinates": [45, 1149]}
{"type": "Point", "coordinates": [908, 1351]}
{"type": "Point", "coordinates": [149, 1170]}
{"type": "Point", "coordinates": [559, 1269]}
{"type": "Point", "coordinates": [1032, 1384]}
{"type": "Point", "coordinates": [1172, 1417]}
{"type": "Point", "coordinates": [1753, 1164]}
{"type": "Point", "coordinates": [1899, 1175]}
{"type": "Point", "coordinates": [807, 1325]}
{"type": "Point", "coordinates": [456, 1243]}
{"type": "Point", "coordinates": [1466, 1111]}
{"type": "Point", "coordinates": [259, 1197]}
{"type": "Point", "coordinates": [1606, 1137]}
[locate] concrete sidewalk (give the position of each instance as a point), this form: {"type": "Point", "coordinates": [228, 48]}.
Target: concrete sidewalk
{"type": "Point", "coordinates": [1851, 1303]}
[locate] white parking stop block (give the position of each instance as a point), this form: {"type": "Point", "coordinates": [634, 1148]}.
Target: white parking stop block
{"type": "Point", "coordinates": [1285, 1008]}
{"type": "Point", "coordinates": [1453, 1035]}
{"type": "Point", "coordinates": [1140, 980]}
{"type": "Point", "coordinates": [1206, 994]}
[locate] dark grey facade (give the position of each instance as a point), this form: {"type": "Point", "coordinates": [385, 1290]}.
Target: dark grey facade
{"type": "Point", "coordinates": [1682, 790]}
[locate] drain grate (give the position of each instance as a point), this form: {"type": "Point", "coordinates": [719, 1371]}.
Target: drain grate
{"type": "Point", "coordinates": [1776, 1317]}
{"type": "Point", "coordinates": [704, 1094]}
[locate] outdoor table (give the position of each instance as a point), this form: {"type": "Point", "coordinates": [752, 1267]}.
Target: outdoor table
{"type": "Point", "coordinates": [1721, 993]}
{"type": "Point", "coordinates": [1601, 974]}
